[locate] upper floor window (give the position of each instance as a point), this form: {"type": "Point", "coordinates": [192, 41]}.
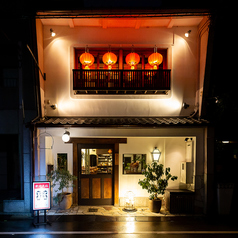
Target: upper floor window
{"type": "Point", "coordinates": [96, 78]}
{"type": "Point", "coordinates": [121, 54]}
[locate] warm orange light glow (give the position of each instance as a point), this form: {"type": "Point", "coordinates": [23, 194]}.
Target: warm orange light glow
{"type": "Point", "coordinates": [109, 59]}
{"type": "Point", "coordinates": [132, 59]}
{"type": "Point", "coordinates": [86, 59]}
{"type": "Point", "coordinates": [155, 59]}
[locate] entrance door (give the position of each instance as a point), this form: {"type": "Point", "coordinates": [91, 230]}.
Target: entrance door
{"type": "Point", "coordinates": [96, 164]}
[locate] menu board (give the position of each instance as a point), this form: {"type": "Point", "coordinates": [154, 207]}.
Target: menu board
{"type": "Point", "coordinates": [41, 195]}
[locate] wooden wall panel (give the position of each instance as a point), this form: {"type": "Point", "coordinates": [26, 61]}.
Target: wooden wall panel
{"type": "Point", "coordinates": [107, 193]}
{"type": "Point", "coordinates": [84, 188]}
{"type": "Point", "coordinates": [96, 188]}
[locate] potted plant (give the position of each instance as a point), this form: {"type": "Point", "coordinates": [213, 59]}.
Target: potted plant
{"type": "Point", "coordinates": [63, 179]}
{"type": "Point", "coordinates": [155, 182]}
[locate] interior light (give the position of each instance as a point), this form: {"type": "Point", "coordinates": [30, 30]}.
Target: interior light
{"type": "Point", "coordinates": [52, 33]}
{"type": "Point", "coordinates": [66, 136]}
{"type": "Point", "coordinates": [225, 141]}
{"type": "Point", "coordinates": [187, 33]}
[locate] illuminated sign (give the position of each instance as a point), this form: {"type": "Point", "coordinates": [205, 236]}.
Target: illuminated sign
{"type": "Point", "coordinates": [41, 195]}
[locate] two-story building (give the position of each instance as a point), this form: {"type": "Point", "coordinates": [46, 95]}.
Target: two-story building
{"type": "Point", "coordinates": [116, 108]}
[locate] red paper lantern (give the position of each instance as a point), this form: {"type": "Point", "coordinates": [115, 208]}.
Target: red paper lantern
{"type": "Point", "coordinates": [109, 59]}
{"type": "Point", "coordinates": [132, 59]}
{"type": "Point", "coordinates": [86, 59]}
{"type": "Point", "coordinates": [155, 59]}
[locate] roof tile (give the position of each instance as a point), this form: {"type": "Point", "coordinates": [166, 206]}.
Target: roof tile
{"type": "Point", "coordinates": [119, 121]}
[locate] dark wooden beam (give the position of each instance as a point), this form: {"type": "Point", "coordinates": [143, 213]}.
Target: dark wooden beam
{"type": "Point", "coordinates": [97, 140]}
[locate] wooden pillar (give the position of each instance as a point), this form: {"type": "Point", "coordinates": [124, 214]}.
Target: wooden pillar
{"type": "Point", "coordinates": [116, 175]}
{"type": "Point", "coordinates": [120, 62]}
{"type": "Point", "coordinates": [75, 173]}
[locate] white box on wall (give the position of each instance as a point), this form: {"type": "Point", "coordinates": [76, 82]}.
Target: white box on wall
{"type": "Point", "coordinates": [186, 173]}
{"type": "Point", "coordinates": [189, 151]}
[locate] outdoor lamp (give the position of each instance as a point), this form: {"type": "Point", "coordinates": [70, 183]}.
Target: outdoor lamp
{"type": "Point", "coordinates": [66, 136]}
{"type": "Point", "coordinates": [155, 155]}
{"type": "Point", "coordinates": [129, 202]}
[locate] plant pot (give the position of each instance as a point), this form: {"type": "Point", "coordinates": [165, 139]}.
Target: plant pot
{"type": "Point", "coordinates": [155, 205]}
{"type": "Point", "coordinates": [66, 202]}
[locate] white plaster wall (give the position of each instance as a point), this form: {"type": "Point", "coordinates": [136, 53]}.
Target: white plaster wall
{"type": "Point", "coordinates": [61, 147]}
{"type": "Point", "coordinates": [172, 154]}
{"type": "Point", "coordinates": [59, 62]}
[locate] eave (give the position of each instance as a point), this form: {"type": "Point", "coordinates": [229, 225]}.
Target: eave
{"type": "Point", "coordinates": [152, 122]}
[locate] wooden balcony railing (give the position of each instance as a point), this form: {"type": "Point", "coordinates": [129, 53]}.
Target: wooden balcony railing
{"type": "Point", "coordinates": [121, 81]}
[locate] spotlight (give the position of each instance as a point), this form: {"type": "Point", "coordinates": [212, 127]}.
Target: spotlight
{"type": "Point", "coordinates": [185, 105]}
{"type": "Point", "coordinates": [53, 106]}
{"type": "Point", "coordinates": [66, 136]}
{"type": "Point", "coordinates": [187, 33]}
{"type": "Point", "coordinates": [52, 33]}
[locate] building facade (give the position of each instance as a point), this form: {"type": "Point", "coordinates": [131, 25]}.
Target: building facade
{"type": "Point", "coordinates": [116, 117]}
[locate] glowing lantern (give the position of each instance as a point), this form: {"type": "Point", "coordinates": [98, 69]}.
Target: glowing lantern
{"type": "Point", "coordinates": [109, 59]}
{"type": "Point", "coordinates": [155, 59]}
{"type": "Point", "coordinates": [132, 59]}
{"type": "Point", "coordinates": [86, 59]}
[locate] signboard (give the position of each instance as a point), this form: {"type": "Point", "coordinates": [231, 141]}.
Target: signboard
{"type": "Point", "coordinates": [41, 195]}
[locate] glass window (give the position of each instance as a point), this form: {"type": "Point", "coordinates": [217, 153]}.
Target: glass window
{"type": "Point", "coordinates": [96, 161]}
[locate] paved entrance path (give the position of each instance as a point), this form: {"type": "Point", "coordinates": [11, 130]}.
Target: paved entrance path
{"type": "Point", "coordinates": [106, 211]}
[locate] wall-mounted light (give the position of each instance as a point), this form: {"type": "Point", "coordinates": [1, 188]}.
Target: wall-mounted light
{"type": "Point", "coordinates": [66, 136]}
{"type": "Point", "coordinates": [53, 106]}
{"type": "Point", "coordinates": [187, 33]}
{"type": "Point", "coordinates": [185, 105]}
{"type": "Point", "coordinates": [155, 155]}
{"type": "Point", "coordinates": [52, 33]}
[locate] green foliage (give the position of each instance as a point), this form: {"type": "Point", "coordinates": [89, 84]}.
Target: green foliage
{"type": "Point", "coordinates": [63, 179]}
{"type": "Point", "coordinates": [156, 180]}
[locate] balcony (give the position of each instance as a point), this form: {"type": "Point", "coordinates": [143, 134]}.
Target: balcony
{"type": "Point", "coordinates": [121, 81]}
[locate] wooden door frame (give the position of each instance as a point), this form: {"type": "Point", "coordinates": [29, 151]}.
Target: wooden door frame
{"type": "Point", "coordinates": [113, 141]}
{"type": "Point", "coordinates": [90, 200]}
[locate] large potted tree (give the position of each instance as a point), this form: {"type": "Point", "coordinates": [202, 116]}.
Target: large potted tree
{"type": "Point", "coordinates": [155, 182]}
{"type": "Point", "coordinates": [64, 180]}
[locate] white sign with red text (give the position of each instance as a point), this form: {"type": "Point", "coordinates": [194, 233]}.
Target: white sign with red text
{"type": "Point", "coordinates": [41, 195]}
